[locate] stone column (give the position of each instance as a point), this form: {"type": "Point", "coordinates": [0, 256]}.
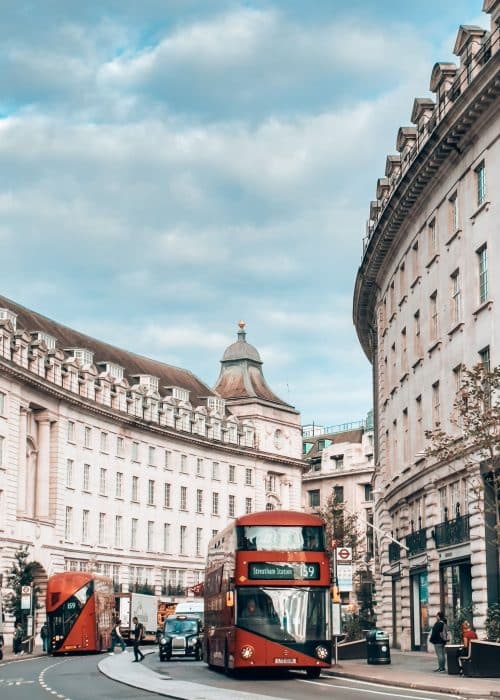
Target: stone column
{"type": "Point", "coordinates": [478, 550]}
{"type": "Point", "coordinates": [433, 517]}
{"type": "Point", "coordinates": [43, 467]}
{"type": "Point", "coordinates": [404, 619]}
{"type": "Point", "coordinates": [22, 461]}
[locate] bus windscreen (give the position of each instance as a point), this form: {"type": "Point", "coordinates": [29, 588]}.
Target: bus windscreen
{"type": "Point", "coordinates": [284, 614]}
{"type": "Point", "coordinates": [286, 538]}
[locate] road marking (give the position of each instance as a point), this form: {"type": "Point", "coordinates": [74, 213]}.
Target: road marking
{"type": "Point", "coordinates": [377, 692]}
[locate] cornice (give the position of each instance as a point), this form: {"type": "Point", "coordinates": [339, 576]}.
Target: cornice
{"type": "Point", "coordinates": [449, 135]}
{"type": "Point", "coordinates": [61, 394]}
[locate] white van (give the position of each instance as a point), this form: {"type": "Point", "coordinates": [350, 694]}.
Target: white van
{"type": "Point", "coordinates": [191, 607]}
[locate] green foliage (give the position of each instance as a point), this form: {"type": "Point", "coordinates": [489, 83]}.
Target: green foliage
{"type": "Point", "coordinates": [22, 573]}
{"type": "Point", "coordinates": [143, 588]}
{"type": "Point", "coordinates": [352, 628]}
{"type": "Point", "coordinates": [340, 525]}
{"type": "Point", "coordinates": [365, 595]}
{"type": "Point", "coordinates": [460, 615]}
{"type": "Point", "coordinates": [493, 623]}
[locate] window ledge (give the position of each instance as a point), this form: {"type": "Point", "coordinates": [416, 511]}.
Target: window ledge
{"type": "Point", "coordinates": [485, 305]}
{"type": "Point", "coordinates": [415, 281]}
{"type": "Point", "coordinates": [432, 260]}
{"type": "Point", "coordinates": [435, 346]}
{"type": "Point", "coordinates": [402, 300]}
{"type": "Point", "coordinates": [404, 377]}
{"type": "Point", "coordinates": [484, 206]}
{"type": "Point", "coordinates": [419, 361]}
{"type": "Point", "coordinates": [457, 327]}
{"type": "Point", "coordinates": [454, 235]}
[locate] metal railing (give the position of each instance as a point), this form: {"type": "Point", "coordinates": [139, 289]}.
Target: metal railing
{"type": "Point", "coordinates": [317, 430]}
{"type": "Point", "coordinates": [452, 532]}
{"type": "Point", "coordinates": [416, 541]}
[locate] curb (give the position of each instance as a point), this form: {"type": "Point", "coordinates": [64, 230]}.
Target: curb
{"type": "Point", "coordinates": [414, 686]}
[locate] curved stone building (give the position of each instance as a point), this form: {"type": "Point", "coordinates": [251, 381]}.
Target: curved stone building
{"type": "Point", "coordinates": [426, 305]}
{"type": "Point", "coordinates": [126, 465]}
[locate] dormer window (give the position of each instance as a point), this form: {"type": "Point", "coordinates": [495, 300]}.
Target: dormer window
{"type": "Point", "coordinates": [49, 340]}
{"type": "Point", "coordinates": [7, 315]}
{"type": "Point", "coordinates": [147, 380]}
{"type": "Point", "coordinates": [111, 368]}
{"type": "Point", "coordinates": [216, 404]}
{"type": "Point", "coordinates": [86, 357]}
{"type": "Point", "coordinates": [179, 393]}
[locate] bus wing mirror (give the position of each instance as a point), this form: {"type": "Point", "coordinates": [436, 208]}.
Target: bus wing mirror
{"type": "Point", "coordinates": [230, 599]}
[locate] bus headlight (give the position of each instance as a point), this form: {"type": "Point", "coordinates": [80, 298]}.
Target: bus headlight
{"type": "Point", "coordinates": [322, 652]}
{"type": "Point", "coordinates": [247, 652]}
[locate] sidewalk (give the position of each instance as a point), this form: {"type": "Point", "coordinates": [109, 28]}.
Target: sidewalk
{"type": "Point", "coordinates": [416, 670]}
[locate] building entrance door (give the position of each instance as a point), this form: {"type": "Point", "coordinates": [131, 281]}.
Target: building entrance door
{"type": "Point", "coordinates": [419, 610]}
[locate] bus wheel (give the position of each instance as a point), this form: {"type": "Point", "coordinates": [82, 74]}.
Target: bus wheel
{"type": "Point", "coordinates": [313, 672]}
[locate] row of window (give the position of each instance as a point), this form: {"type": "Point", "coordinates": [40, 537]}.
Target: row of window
{"type": "Point", "coordinates": [103, 486]}
{"type": "Point", "coordinates": [136, 534]}
{"type": "Point", "coordinates": [172, 580]}
{"type": "Point", "coordinates": [398, 456]}
{"type": "Point", "coordinates": [167, 456]}
{"type": "Point", "coordinates": [314, 495]}
{"type": "Point", "coordinates": [430, 239]}
{"type": "Point", "coordinates": [396, 364]}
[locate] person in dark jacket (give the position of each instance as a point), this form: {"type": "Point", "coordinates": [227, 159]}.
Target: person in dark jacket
{"type": "Point", "coordinates": [138, 637]}
{"type": "Point", "coordinates": [439, 637]}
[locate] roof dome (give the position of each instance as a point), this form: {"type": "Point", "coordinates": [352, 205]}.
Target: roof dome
{"type": "Point", "coordinates": [241, 350]}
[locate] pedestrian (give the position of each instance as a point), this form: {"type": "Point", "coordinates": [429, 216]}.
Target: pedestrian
{"type": "Point", "coordinates": [1, 646]}
{"type": "Point", "coordinates": [17, 639]}
{"type": "Point", "coordinates": [467, 634]}
{"type": "Point", "coordinates": [138, 637]}
{"type": "Point", "coordinates": [439, 637]}
{"type": "Point", "coordinates": [44, 634]}
{"type": "Point", "coordinates": [118, 636]}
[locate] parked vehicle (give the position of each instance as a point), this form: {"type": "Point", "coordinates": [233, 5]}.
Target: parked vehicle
{"type": "Point", "coordinates": [181, 637]}
{"type": "Point", "coordinates": [195, 606]}
{"type": "Point", "coordinates": [142, 606]}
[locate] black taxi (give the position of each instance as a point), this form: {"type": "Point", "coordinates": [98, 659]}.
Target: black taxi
{"type": "Point", "coordinates": [181, 636]}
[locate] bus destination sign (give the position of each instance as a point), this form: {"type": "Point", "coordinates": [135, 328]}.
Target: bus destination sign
{"type": "Point", "coordinates": [277, 571]}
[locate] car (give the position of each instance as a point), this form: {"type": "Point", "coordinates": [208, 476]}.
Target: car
{"type": "Point", "coordinates": [181, 636]}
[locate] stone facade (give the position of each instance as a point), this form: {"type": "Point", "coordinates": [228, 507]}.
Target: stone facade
{"type": "Point", "coordinates": [121, 464]}
{"type": "Point", "coordinates": [426, 305]}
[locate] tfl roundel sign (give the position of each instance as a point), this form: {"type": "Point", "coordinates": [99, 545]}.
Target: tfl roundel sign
{"type": "Point", "coordinates": [344, 554]}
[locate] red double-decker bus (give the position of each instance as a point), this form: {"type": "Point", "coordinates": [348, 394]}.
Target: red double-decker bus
{"type": "Point", "coordinates": [80, 608]}
{"type": "Point", "coordinates": [267, 594]}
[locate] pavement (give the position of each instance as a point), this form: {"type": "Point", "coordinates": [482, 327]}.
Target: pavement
{"type": "Point", "coordinates": [407, 670]}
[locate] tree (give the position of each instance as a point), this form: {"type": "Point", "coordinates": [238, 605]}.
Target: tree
{"type": "Point", "coordinates": [22, 573]}
{"type": "Point", "coordinates": [474, 444]}
{"type": "Point", "coordinates": [342, 527]}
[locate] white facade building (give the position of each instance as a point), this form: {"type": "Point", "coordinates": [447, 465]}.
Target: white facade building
{"type": "Point", "coordinates": [426, 305]}
{"type": "Point", "coordinates": [340, 463]}
{"type": "Point", "coordinates": [118, 463]}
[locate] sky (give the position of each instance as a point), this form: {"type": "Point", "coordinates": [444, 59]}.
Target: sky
{"type": "Point", "coordinates": [169, 167]}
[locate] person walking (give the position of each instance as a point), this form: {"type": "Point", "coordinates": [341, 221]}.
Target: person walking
{"type": "Point", "coordinates": [439, 637]}
{"type": "Point", "coordinates": [138, 637]}
{"type": "Point", "coordinates": [17, 639]}
{"type": "Point", "coordinates": [118, 636]}
{"type": "Point", "coordinates": [44, 634]}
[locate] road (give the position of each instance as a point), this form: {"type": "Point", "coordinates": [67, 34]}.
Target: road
{"type": "Point", "coordinates": [78, 678]}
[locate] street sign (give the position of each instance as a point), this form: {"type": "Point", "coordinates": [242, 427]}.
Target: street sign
{"type": "Point", "coordinates": [344, 555]}
{"type": "Point", "coordinates": [344, 577]}
{"type": "Point", "coordinates": [25, 590]}
{"type": "Point", "coordinates": [25, 602]}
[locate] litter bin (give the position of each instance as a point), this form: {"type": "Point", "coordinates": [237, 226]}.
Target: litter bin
{"type": "Point", "coordinates": [377, 647]}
